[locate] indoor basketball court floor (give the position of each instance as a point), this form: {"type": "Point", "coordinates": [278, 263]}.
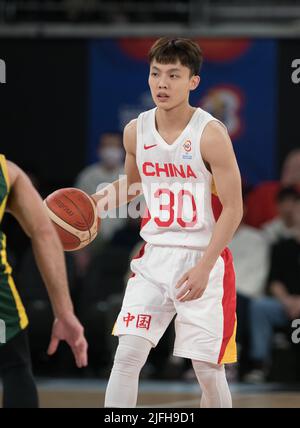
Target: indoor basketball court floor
{"type": "Point", "coordinates": [66, 393]}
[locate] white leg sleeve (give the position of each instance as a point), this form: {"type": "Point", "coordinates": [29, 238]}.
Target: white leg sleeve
{"type": "Point", "coordinates": [213, 383]}
{"type": "Point", "coordinates": [131, 355]}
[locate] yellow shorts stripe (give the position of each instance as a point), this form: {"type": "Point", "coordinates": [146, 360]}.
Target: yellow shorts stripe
{"type": "Point", "coordinates": [230, 354]}
{"type": "Point", "coordinates": [5, 170]}
{"type": "Point", "coordinates": [3, 257]}
{"type": "Point", "coordinates": [3, 167]}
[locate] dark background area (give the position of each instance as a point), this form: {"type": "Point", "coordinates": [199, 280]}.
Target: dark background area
{"type": "Point", "coordinates": [43, 107]}
{"type": "Point", "coordinates": [288, 99]}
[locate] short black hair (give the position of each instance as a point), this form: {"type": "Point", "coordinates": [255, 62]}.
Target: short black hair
{"type": "Point", "coordinates": [169, 50]}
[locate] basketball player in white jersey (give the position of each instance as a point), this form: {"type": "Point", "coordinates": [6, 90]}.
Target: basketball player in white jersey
{"type": "Point", "coordinates": [181, 155]}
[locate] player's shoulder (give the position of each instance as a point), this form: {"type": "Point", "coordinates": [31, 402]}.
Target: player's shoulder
{"type": "Point", "coordinates": [131, 127]}
{"type": "Point", "coordinates": [13, 171]}
{"type": "Point", "coordinates": [130, 132]}
{"type": "Point", "coordinates": [4, 176]}
{"type": "Point", "coordinates": [215, 142]}
{"type": "Point", "coordinates": [215, 136]}
{"type": "Point", "coordinates": [215, 129]}
{"type": "Point", "coordinates": [130, 138]}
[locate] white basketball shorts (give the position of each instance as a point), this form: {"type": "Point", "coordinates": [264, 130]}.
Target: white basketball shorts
{"type": "Point", "coordinates": [204, 328]}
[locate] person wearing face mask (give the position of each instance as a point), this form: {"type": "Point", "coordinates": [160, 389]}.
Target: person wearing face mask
{"type": "Point", "coordinates": [109, 165]}
{"type": "Point", "coordinates": [280, 306]}
{"type": "Point", "coordinates": [108, 168]}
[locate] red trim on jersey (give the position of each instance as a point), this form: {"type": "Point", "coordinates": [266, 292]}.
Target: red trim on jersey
{"type": "Point", "coordinates": [146, 218]}
{"type": "Point", "coordinates": [228, 301]}
{"type": "Point", "coordinates": [139, 255]}
{"type": "Point", "coordinates": [216, 206]}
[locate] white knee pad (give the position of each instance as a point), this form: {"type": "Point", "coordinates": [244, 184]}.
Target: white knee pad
{"type": "Point", "coordinates": [212, 379]}
{"type": "Point", "coordinates": [130, 357]}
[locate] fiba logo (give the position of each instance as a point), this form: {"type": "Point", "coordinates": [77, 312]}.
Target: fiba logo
{"type": "Point", "coordinates": [2, 71]}
{"type": "Point", "coordinates": [2, 331]}
{"type": "Point", "coordinates": [187, 146]}
{"type": "Point", "coordinates": [296, 73]}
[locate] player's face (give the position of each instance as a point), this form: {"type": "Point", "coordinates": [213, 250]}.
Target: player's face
{"type": "Point", "coordinates": [170, 84]}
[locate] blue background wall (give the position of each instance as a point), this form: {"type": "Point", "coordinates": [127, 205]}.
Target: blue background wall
{"type": "Point", "coordinates": [238, 85]}
{"type": "Point", "coordinates": [61, 94]}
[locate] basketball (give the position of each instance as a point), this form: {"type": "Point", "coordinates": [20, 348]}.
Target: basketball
{"type": "Point", "coordinates": [74, 215]}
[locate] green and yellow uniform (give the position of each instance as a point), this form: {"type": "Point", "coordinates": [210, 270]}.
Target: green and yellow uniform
{"type": "Point", "coordinates": [12, 311]}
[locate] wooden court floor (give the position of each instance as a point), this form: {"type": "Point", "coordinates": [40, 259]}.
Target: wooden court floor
{"type": "Point", "coordinates": [90, 394]}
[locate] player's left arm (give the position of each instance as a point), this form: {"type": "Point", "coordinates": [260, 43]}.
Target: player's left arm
{"type": "Point", "coordinates": [217, 152]}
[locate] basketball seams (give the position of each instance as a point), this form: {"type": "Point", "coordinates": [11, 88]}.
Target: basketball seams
{"type": "Point", "coordinates": [75, 213]}
{"type": "Point", "coordinates": [53, 205]}
{"type": "Point", "coordinates": [81, 213]}
{"type": "Point", "coordinates": [94, 226]}
{"type": "Point", "coordinates": [65, 225]}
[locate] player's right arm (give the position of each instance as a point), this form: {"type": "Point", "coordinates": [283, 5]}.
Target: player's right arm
{"type": "Point", "coordinates": [119, 192]}
{"type": "Point", "coordinates": [26, 205]}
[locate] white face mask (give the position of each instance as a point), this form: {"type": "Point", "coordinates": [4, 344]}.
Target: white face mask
{"type": "Point", "coordinates": [111, 156]}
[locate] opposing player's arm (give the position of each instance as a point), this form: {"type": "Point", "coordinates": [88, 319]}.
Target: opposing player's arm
{"type": "Point", "coordinates": [25, 204]}
{"type": "Point", "coordinates": [217, 151]}
{"type": "Point", "coordinates": [122, 191]}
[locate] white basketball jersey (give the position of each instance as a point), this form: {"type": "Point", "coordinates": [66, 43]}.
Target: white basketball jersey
{"type": "Point", "coordinates": [176, 184]}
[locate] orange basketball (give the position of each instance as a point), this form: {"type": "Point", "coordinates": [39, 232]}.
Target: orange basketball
{"type": "Point", "coordinates": [74, 215]}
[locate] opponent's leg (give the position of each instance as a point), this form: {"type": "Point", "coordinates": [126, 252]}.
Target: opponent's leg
{"type": "Point", "coordinates": [19, 389]}
{"type": "Point", "coordinates": [131, 355]}
{"type": "Point", "coordinates": [213, 383]}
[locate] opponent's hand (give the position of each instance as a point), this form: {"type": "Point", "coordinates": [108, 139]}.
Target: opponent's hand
{"type": "Point", "coordinates": [68, 328]}
{"type": "Point", "coordinates": [193, 283]}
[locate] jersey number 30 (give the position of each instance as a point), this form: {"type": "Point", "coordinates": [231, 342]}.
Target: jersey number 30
{"type": "Point", "coordinates": [170, 208]}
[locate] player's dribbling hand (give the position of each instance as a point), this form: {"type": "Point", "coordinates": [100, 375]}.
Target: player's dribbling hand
{"type": "Point", "coordinates": [193, 283]}
{"type": "Point", "coordinates": [68, 328]}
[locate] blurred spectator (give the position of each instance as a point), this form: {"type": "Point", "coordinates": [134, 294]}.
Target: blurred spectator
{"type": "Point", "coordinates": [128, 235]}
{"type": "Point", "coordinates": [261, 202]}
{"type": "Point", "coordinates": [282, 226]}
{"type": "Point", "coordinates": [109, 166]}
{"type": "Point", "coordinates": [291, 169]}
{"type": "Point", "coordinates": [282, 306]}
{"type": "Point", "coordinates": [251, 262]}
{"type": "Point", "coordinates": [106, 170]}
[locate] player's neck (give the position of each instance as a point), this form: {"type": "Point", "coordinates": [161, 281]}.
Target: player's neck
{"type": "Point", "coordinates": [176, 118]}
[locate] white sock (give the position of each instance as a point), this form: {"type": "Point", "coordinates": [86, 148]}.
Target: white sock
{"type": "Point", "coordinates": [213, 383]}
{"type": "Point", "coordinates": [131, 355]}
